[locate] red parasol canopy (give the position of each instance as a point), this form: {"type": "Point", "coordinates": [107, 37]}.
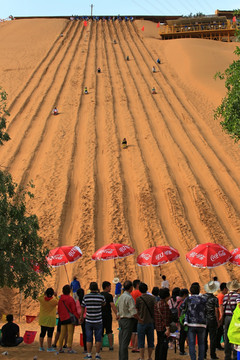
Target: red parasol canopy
{"type": "Point", "coordinates": [113, 251]}
{"type": "Point", "coordinates": [235, 256]}
{"type": "Point", "coordinates": [208, 255]}
{"type": "Point", "coordinates": [157, 256]}
{"type": "Point", "coordinates": [63, 255]}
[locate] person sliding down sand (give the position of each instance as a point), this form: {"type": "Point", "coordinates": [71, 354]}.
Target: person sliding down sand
{"type": "Point", "coordinates": [124, 143]}
{"type": "Point", "coordinates": [55, 111]}
{"type": "Point", "coordinates": [98, 69]}
{"type": "Point", "coordinates": [85, 90]}
{"type": "Point", "coordinates": [153, 69]}
{"type": "Point", "coordinates": [154, 90]}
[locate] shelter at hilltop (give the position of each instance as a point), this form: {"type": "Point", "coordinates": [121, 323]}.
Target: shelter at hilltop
{"type": "Point", "coordinates": [203, 27]}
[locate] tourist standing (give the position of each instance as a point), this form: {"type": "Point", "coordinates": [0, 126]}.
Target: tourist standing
{"type": "Point", "coordinates": [93, 303]}
{"type": "Point", "coordinates": [230, 301]}
{"type": "Point", "coordinates": [220, 296]}
{"type": "Point", "coordinates": [212, 317]}
{"type": "Point", "coordinates": [165, 283]}
{"type": "Point", "coordinates": [195, 319]}
{"type": "Point", "coordinates": [75, 285]}
{"type": "Point", "coordinates": [145, 307]}
{"type": "Point", "coordinates": [107, 312]}
{"type": "Point", "coordinates": [162, 318]}
{"type": "Point", "coordinates": [47, 318]}
{"type": "Point", "coordinates": [127, 312]}
{"type": "Point", "coordinates": [66, 304]}
{"type": "Point", "coordinates": [135, 294]}
{"type": "Point", "coordinates": [183, 294]}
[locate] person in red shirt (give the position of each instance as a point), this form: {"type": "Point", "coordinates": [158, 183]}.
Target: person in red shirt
{"type": "Point", "coordinates": [135, 294]}
{"type": "Point", "coordinates": [66, 303]}
{"type": "Point", "coordinates": [220, 296]}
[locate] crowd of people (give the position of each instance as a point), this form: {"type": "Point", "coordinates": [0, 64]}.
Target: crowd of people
{"type": "Point", "coordinates": [190, 314]}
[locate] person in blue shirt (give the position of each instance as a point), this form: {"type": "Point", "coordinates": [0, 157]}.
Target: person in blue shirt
{"type": "Point", "coordinates": [75, 285]}
{"type": "Point", "coordinates": [118, 289]}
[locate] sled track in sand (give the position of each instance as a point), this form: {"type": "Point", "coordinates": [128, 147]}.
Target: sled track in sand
{"type": "Point", "coordinates": [89, 191]}
{"type": "Point", "coordinates": [147, 160]}
{"type": "Point", "coordinates": [223, 193]}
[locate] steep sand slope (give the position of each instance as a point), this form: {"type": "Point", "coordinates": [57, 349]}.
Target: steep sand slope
{"type": "Point", "coordinates": [178, 181]}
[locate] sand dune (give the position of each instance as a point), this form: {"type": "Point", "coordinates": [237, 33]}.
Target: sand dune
{"type": "Point", "coordinates": [178, 181]}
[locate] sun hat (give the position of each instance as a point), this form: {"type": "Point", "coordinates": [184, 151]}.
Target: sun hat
{"type": "Point", "coordinates": [211, 286]}
{"type": "Point", "coordinates": [233, 285]}
{"type": "Point", "coordinates": [116, 280]}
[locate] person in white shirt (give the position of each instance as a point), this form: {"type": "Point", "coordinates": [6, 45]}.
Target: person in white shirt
{"type": "Point", "coordinates": [165, 283]}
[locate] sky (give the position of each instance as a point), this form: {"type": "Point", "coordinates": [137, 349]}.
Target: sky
{"type": "Point", "coordinates": [112, 7]}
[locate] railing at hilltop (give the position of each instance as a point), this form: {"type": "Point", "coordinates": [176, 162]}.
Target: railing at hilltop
{"type": "Point", "coordinates": [204, 30]}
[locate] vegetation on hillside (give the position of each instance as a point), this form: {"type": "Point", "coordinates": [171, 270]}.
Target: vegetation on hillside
{"type": "Point", "coordinates": [23, 255]}
{"type": "Point", "coordinates": [229, 109]}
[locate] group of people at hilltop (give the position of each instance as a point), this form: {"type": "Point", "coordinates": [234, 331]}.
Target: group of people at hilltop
{"type": "Point", "coordinates": [139, 313]}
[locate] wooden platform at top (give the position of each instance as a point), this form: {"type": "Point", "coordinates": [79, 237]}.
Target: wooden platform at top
{"type": "Point", "coordinates": [211, 34]}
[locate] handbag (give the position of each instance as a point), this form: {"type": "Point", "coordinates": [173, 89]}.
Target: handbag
{"type": "Point", "coordinates": [152, 316]}
{"type": "Point", "coordinates": [73, 318]}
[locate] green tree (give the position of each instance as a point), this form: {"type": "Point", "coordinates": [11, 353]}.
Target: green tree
{"type": "Point", "coordinates": [21, 248]}
{"type": "Point", "coordinates": [229, 109]}
{"type": "Point", "coordinates": [3, 114]}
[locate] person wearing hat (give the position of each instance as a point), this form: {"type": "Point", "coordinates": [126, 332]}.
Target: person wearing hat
{"type": "Point", "coordinates": [230, 301]}
{"type": "Point", "coordinates": [118, 289]}
{"type": "Point", "coordinates": [212, 317]}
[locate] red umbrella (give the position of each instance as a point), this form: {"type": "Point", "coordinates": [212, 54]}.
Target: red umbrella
{"type": "Point", "coordinates": [113, 251]}
{"type": "Point", "coordinates": [235, 256]}
{"type": "Point", "coordinates": [157, 256]}
{"type": "Point", "coordinates": [208, 255]}
{"type": "Point", "coordinates": [63, 255]}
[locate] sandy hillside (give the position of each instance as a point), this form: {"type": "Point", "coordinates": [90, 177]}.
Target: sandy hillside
{"type": "Point", "coordinates": [178, 181]}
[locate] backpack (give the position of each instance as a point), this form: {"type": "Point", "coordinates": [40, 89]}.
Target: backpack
{"type": "Point", "coordinates": [182, 317]}
{"type": "Point", "coordinates": [174, 312]}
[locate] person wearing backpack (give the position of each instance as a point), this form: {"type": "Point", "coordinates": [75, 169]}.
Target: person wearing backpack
{"type": "Point", "coordinates": [212, 316]}
{"type": "Point", "coordinates": [145, 307]}
{"type": "Point", "coordinates": [230, 301]}
{"type": "Point", "coordinates": [173, 305]}
{"type": "Point", "coordinates": [183, 331]}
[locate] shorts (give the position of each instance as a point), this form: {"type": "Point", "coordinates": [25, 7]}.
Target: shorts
{"type": "Point", "coordinates": [96, 328]}
{"type": "Point", "coordinates": [145, 329]}
{"type": "Point", "coordinates": [135, 323]}
{"type": "Point", "coordinates": [107, 325]}
{"type": "Point", "coordinates": [47, 329]}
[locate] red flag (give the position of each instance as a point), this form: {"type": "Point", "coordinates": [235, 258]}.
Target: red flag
{"type": "Point", "coordinates": [142, 28]}
{"type": "Point", "coordinates": [234, 19]}
{"type": "Point", "coordinates": [30, 318]}
{"type": "Point", "coordinates": [29, 337]}
{"type": "Point", "coordinates": [85, 23]}
{"type": "Point", "coordinates": [158, 25]}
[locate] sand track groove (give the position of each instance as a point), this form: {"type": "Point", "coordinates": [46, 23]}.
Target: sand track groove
{"type": "Point", "coordinates": [177, 183]}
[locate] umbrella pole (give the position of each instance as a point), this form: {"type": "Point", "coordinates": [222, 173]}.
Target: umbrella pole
{"type": "Point", "coordinates": [210, 272]}
{"type": "Point", "coordinates": [67, 274]}
{"type": "Point", "coordinates": [20, 304]}
{"type": "Point", "coordinates": [160, 270]}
